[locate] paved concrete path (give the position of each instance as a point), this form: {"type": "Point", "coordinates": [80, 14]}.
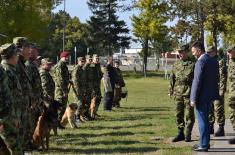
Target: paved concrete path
{"type": "Point", "coordinates": [219, 145]}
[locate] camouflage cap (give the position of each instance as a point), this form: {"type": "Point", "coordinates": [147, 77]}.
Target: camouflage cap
{"type": "Point", "coordinates": [88, 56]}
{"type": "Point", "coordinates": [46, 61]}
{"type": "Point", "coordinates": [183, 48]}
{"type": "Point", "coordinates": [20, 41]}
{"type": "Point", "coordinates": [231, 48]}
{"type": "Point", "coordinates": [81, 59]}
{"type": "Point", "coordinates": [210, 49]}
{"type": "Point", "coordinates": [7, 50]}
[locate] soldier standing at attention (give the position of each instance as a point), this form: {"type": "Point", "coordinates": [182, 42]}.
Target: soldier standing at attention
{"type": "Point", "coordinates": [118, 87]}
{"type": "Point", "coordinates": [10, 99]}
{"type": "Point", "coordinates": [231, 87]}
{"type": "Point", "coordinates": [62, 83]}
{"type": "Point", "coordinates": [180, 87]}
{"type": "Point", "coordinates": [48, 84]}
{"type": "Point", "coordinates": [217, 108]}
{"type": "Point", "coordinates": [79, 82]}
{"type": "Point", "coordinates": [35, 83]}
{"type": "Point", "coordinates": [90, 77]}
{"type": "Point", "coordinates": [26, 128]}
{"type": "Point", "coordinates": [97, 82]}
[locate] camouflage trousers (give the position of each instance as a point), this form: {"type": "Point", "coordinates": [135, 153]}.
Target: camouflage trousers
{"type": "Point", "coordinates": [231, 104]}
{"type": "Point", "coordinates": [81, 101]}
{"type": "Point", "coordinates": [63, 101]}
{"type": "Point", "coordinates": [93, 97]}
{"type": "Point", "coordinates": [217, 112]}
{"type": "Point", "coordinates": [97, 95]}
{"type": "Point", "coordinates": [26, 131]}
{"type": "Point", "coordinates": [10, 142]}
{"type": "Point", "coordinates": [117, 96]}
{"type": "Point", "coordinates": [184, 113]}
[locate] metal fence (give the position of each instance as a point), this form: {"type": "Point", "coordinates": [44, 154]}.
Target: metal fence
{"type": "Point", "coordinates": [136, 64]}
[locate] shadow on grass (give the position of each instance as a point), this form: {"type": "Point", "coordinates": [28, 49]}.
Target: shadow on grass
{"type": "Point", "coordinates": [88, 135]}
{"type": "Point", "coordinates": [116, 127]}
{"type": "Point", "coordinates": [94, 150]}
{"type": "Point", "coordinates": [147, 109]}
{"type": "Point", "coordinates": [138, 74]}
{"type": "Point", "coordinates": [78, 142]}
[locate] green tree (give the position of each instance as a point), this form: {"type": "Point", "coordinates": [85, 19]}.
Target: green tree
{"type": "Point", "coordinates": [28, 18]}
{"type": "Point", "coordinates": [75, 35]}
{"type": "Point", "coordinates": [149, 24]}
{"type": "Point", "coordinates": [107, 34]}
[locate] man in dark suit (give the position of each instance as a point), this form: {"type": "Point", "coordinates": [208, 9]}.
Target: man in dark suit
{"type": "Point", "coordinates": [204, 91]}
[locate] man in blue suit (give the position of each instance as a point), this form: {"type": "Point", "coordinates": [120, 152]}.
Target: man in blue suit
{"type": "Point", "coordinates": [204, 91]}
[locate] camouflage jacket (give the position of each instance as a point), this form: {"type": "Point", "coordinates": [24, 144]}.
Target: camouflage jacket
{"type": "Point", "coordinates": [61, 78]}
{"type": "Point", "coordinates": [34, 79]}
{"type": "Point", "coordinates": [181, 78]}
{"type": "Point", "coordinates": [223, 75]}
{"type": "Point", "coordinates": [24, 80]}
{"type": "Point", "coordinates": [79, 80]}
{"type": "Point", "coordinates": [14, 86]}
{"type": "Point", "coordinates": [90, 70]}
{"type": "Point", "coordinates": [6, 99]}
{"type": "Point", "coordinates": [98, 73]}
{"type": "Point", "coordinates": [48, 84]}
{"type": "Point", "coordinates": [119, 78]}
{"type": "Point", "coordinates": [231, 78]}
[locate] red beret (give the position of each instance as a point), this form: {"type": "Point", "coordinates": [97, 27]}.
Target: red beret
{"type": "Point", "coordinates": [64, 54]}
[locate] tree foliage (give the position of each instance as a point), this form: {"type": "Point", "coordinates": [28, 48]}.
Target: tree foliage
{"type": "Point", "coordinates": [107, 34]}
{"type": "Point", "coordinates": [28, 18]}
{"type": "Point", "coordinates": [149, 24]}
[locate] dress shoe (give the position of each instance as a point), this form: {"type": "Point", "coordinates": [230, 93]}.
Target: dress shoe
{"type": "Point", "coordinates": [200, 149]}
{"type": "Point", "coordinates": [197, 145]}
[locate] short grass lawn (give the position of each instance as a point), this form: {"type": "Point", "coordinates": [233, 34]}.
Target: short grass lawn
{"type": "Point", "coordinates": [142, 125]}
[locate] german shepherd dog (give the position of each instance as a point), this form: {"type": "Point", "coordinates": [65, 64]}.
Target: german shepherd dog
{"type": "Point", "coordinates": [46, 122]}
{"type": "Point", "coordinates": [70, 115]}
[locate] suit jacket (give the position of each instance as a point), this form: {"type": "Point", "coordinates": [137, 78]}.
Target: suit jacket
{"type": "Point", "coordinates": [206, 77]}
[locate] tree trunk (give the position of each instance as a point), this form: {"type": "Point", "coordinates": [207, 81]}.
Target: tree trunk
{"type": "Point", "coordinates": [214, 25]}
{"type": "Point", "coordinates": [145, 57]}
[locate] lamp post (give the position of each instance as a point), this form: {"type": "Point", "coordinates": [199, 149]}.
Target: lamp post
{"type": "Point", "coordinates": [64, 25]}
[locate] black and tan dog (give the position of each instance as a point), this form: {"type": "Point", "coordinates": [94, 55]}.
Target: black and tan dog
{"type": "Point", "coordinates": [46, 122]}
{"type": "Point", "coordinates": [70, 115]}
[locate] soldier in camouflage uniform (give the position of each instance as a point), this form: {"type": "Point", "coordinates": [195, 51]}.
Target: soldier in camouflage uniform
{"type": "Point", "coordinates": [97, 82]}
{"type": "Point", "coordinates": [118, 87]}
{"type": "Point", "coordinates": [10, 96]}
{"type": "Point", "coordinates": [231, 87]}
{"type": "Point", "coordinates": [90, 76]}
{"type": "Point", "coordinates": [79, 83]}
{"type": "Point", "coordinates": [36, 84]}
{"type": "Point", "coordinates": [180, 87]}
{"type": "Point", "coordinates": [48, 84]}
{"type": "Point", "coordinates": [217, 108]}
{"type": "Point", "coordinates": [62, 79]}
{"type": "Point", "coordinates": [26, 128]}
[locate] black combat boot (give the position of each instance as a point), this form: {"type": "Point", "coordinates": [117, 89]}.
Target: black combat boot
{"type": "Point", "coordinates": [180, 136]}
{"type": "Point", "coordinates": [188, 135]}
{"type": "Point", "coordinates": [211, 129]}
{"type": "Point", "coordinates": [231, 141]}
{"type": "Point", "coordinates": [220, 131]}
